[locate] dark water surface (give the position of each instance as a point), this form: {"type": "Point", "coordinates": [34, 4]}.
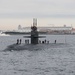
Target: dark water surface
{"type": "Point", "coordinates": [52, 59]}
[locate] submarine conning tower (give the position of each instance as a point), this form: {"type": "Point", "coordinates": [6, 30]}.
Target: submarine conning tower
{"type": "Point", "coordinates": [34, 32]}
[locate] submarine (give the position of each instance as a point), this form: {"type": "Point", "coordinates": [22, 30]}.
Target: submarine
{"type": "Point", "coordinates": [35, 43]}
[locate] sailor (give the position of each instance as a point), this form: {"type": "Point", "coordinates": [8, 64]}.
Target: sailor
{"type": "Point", "coordinates": [25, 41]}
{"type": "Point", "coordinates": [28, 41]}
{"type": "Point", "coordinates": [20, 41]}
{"type": "Point", "coordinates": [17, 41]}
{"type": "Point", "coordinates": [45, 40]}
{"type": "Point", "coordinates": [55, 41]}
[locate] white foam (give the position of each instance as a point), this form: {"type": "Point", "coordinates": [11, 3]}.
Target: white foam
{"type": "Point", "coordinates": [2, 34]}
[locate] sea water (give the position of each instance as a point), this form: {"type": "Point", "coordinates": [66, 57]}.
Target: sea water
{"type": "Point", "coordinates": [59, 59]}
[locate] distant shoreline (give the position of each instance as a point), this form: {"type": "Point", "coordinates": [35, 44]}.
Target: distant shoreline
{"type": "Point", "coordinates": [41, 33]}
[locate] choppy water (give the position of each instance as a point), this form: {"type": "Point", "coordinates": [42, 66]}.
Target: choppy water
{"type": "Point", "coordinates": [59, 59]}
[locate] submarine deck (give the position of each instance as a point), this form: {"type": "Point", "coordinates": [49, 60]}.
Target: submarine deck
{"type": "Point", "coordinates": [18, 47]}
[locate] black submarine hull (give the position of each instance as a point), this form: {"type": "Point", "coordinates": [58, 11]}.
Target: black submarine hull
{"type": "Point", "coordinates": [32, 47]}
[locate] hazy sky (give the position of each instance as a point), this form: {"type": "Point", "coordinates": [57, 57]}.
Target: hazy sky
{"type": "Point", "coordinates": [14, 12]}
